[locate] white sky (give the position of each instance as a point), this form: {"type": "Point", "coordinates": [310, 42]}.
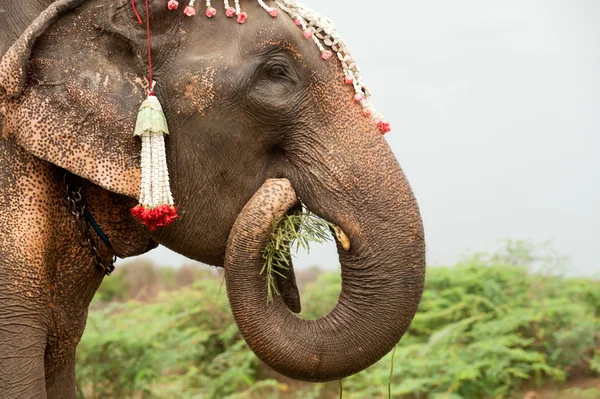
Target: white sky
{"type": "Point", "coordinates": [495, 107]}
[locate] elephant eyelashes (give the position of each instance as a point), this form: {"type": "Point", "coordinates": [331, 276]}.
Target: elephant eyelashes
{"type": "Point", "coordinates": [314, 27]}
{"type": "Point", "coordinates": [279, 72]}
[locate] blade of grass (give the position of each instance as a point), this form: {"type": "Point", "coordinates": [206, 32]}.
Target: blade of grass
{"type": "Point", "coordinates": [299, 229]}
{"type": "Point", "coordinates": [391, 374]}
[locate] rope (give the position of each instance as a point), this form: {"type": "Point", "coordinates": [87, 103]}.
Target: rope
{"type": "Point", "coordinates": [151, 81]}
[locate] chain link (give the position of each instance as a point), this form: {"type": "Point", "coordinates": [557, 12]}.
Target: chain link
{"type": "Point", "coordinates": [78, 206]}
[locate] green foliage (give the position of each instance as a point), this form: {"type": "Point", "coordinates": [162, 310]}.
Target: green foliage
{"type": "Point", "coordinates": [186, 342]}
{"type": "Point", "coordinates": [320, 296]}
{"type": "Point", "coordinates": [296, 230]}
{"type": "Point", "coordinates": [484, 329]}
{"type": "Point", "coordinates": [144, 281]}
{"type": "Point", "coordinates": [113, 289]}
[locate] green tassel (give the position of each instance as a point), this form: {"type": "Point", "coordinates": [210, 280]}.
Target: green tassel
{"type": "Point", "coordinates": [151, 118]}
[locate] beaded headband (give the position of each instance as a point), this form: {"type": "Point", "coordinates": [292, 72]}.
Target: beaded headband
{"type": "Point", "coordinates": [156, 207]}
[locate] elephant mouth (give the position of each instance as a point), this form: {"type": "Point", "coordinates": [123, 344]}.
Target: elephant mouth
{"type": "Point", "coordinates": [376, 305]}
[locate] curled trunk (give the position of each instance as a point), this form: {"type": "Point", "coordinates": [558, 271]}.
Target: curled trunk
{"type": "Point", "coordinates": [381, 290]}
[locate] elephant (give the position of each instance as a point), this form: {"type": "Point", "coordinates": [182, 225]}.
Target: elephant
{"type": "Point", "coordinates": [259, 124]}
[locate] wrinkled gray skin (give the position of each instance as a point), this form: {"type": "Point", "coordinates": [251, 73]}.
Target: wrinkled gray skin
{"type": "Point", "coordinates": [245, 104]}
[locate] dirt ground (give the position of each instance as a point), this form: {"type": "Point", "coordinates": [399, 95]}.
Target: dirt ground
{"type": "Point", "coordinates": [579, 388]}
{"type": "Point", "coordinates": [583, 386]}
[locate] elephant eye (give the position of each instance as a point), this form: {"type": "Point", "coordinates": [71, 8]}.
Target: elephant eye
{"type": "Point", "coordinates": [279, 72]}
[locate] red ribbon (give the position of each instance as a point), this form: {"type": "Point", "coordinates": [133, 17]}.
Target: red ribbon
{"type": "Point", "coordinates": [151, 92]}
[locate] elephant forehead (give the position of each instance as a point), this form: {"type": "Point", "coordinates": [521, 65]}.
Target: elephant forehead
{"type": "Point", "coordinates": [294, 25]}
{"type": "Point", "coordinates": [198, 89]}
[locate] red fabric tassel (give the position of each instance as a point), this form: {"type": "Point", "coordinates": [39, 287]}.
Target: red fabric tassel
{"type": "Point", "coordinates": [160, 216]}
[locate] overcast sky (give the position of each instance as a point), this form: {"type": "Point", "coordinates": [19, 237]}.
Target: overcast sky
{"type": "Point", "coordinates": [495, 107]}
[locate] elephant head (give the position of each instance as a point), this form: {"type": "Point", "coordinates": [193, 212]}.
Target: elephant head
{"type": "Point", "coordinates": [259, 122]}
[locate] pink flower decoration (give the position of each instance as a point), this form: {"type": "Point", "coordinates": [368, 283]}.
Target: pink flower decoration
{"type": "Point", "coordinates": [189, 11]}
{"type": "Point", "coordinates": [384, 126]}
{"type": "Point", "coordinates": [230, 12]}
{"type": "Point", "coordinates": [211, 12]}
{"type": "Point", "coordinates": [367, 112]}
{"type": "Point", "coordinates": [326, 54]}
{"type": "Point", "coordinates": [359, 97]}
{"type": "Point", "coordinates": [242, 18]}
{"type": "Point", "coordinates": [274, 12]}
{"type": "Point", "coordinates": [307, 34]}
{"type": "Point", "coordinates": [348, 80]}
{"type": "Point", "coordinates": [173, 4]}
{"type": "Point", "coordinates": [297, 21]}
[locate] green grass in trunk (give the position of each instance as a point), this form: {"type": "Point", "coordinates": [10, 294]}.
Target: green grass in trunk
{"type": "Point", "coordinates": [290, 233]}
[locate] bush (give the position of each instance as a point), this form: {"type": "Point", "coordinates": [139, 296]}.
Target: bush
{"type": "Point", "coordinates": [185, 345]}
{"type": "Point", "coordinates": [484, 328]}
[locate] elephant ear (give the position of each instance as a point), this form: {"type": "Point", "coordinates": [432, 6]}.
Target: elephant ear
{"type": "Point", "coordinates": [71, 95]}
{"type": "Point", "coordinates": [13, 66]}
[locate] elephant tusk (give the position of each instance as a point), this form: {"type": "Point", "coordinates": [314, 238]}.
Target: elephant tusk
{"type": "Point", "coordinates": [342, 238]}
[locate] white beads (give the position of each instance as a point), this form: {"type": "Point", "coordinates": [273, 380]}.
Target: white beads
{"type": "Point", "coordinates": [155, 189]}
{"type": "Point", "coordinates": [264, 6]}
{"type": "Point", "coordinates": [146, 163]}
{"type": "Point", "coordinates": [323, 33]}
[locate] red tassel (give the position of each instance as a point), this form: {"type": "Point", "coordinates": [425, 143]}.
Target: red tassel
{"type": "Point", "coordinates": [138, 212]}
{"type": "Point", "coordinates": [160, 216]}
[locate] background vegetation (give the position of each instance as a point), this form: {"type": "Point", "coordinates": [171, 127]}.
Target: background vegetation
{"type": "Point", "coordinates": [488, 327]}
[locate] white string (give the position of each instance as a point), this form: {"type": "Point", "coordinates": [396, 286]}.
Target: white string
{"type": "Point", "coordinates": [155, 192]}
{"type": "Point", "coordinates": [146, 169]}
{"type": "Point", "coordinates": [264, 6]}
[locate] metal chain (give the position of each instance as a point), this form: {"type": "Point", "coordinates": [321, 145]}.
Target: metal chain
{"type": "Point", "coordinates": [77, 204]}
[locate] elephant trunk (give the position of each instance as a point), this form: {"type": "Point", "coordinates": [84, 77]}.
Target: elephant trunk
{"type": "Point", "coordinates": [382, 280]}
